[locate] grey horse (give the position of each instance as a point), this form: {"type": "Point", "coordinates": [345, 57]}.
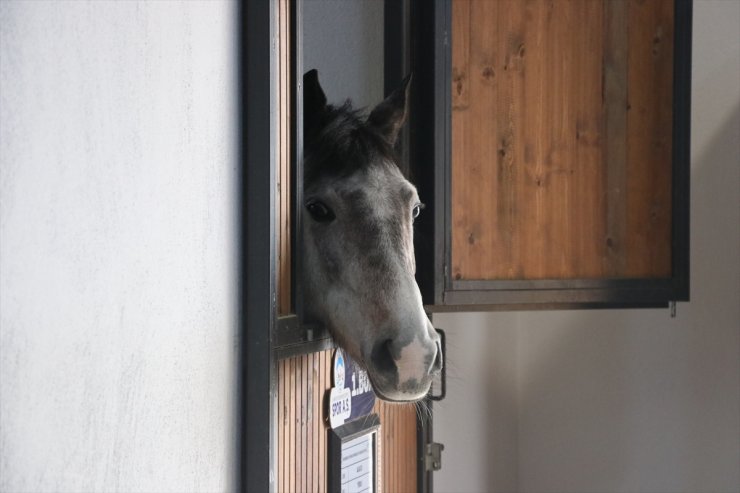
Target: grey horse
{"type": "Point", "coordinates": [358, 248]}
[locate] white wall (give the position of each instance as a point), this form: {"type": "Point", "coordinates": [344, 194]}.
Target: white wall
{"type": "Point", "coordinates": [478, 420]}
{"type": "Point", "coordinates": [117, 246]}
{"type": "Point", "coordinates": [343, 40]}
{"type": "Point", "coordinates": [623, 400]}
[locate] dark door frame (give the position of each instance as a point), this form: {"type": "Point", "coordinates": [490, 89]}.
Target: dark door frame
{"type": "Point", "coordinates": [262, 336]}
{"type": "Point", "coordinates": [443, 293]}
{"type": "Point", "coordinates": [257, 296]}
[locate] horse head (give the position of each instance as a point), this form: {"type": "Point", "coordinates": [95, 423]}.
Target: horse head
{"type": "Point", "coordinates": [358, 243]}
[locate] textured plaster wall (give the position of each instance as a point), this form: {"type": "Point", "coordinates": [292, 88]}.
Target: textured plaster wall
{"type": "Point", "coordinates": [117, 246]}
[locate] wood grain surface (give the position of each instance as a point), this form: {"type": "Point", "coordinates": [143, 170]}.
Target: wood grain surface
{"type": "Point", "coordinates": [303, 383]}
{"type": "Point", "coordinates": [284, 218]}
{"type": "Point", "coordinates": [561, 139]}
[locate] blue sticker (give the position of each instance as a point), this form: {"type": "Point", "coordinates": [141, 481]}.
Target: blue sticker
{"type": "Point", "coordinates": [349, 376]}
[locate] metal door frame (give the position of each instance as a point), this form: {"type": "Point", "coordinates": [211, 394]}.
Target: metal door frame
{"type": "Point", "coordinates": [257, 456]}
{"type": "Point", "coordinates": [442, 293]}
{"type": "Point", "coordinates": [258, 321]}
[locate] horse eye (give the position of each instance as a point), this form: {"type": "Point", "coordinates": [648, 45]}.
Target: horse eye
{"type": "Point", "coordinates": [319, 211]}
{"type": "Point", "coordinates": [417, 210]}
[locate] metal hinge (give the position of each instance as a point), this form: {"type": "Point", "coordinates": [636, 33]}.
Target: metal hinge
{"type": "Point", "coordinates": [433, 456]}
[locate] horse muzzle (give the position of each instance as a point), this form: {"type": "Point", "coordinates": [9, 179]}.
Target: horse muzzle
{"type": "Point", "coordinates": [404, 371]}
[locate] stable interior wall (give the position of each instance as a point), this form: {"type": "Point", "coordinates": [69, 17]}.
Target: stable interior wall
{"type": "Point", "coordinates": [618, 400]}
{"type": "Point", "coordinates": [118, 213]}
{"type": "Point", "coordinates": [478, 420]}
{"type": "Point", "coordinates": [344, 42]}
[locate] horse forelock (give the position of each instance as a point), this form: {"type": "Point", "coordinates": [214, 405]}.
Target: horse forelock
{"type": "Point", "coordinates": [343, 144]}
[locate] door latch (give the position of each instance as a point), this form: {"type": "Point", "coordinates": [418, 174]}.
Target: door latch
{"type": "Point", "coordinates": [433, 457]}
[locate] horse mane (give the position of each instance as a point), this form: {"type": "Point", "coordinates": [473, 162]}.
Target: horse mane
{"type": "Point", "coordinates": [341, 142]}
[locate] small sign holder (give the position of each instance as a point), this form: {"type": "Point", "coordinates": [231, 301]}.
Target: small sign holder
{"type": "Point", "coordinates": [352, 396]}
{"type": "Point", "coordinates": [353, 456]}
{"type": "Point", "coordinates": [354, 441]}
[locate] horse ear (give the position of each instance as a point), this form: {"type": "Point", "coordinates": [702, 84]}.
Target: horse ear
{"type": "Point", "coordinates": [389, 116]}
{"type": "Point", "coordinates": [314, 99]}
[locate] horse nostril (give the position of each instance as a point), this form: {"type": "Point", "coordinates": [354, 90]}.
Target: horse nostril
{"type": "Point", "coordinates": [383, 358]}
{"type": "Point", "coordinates": [438, 362]}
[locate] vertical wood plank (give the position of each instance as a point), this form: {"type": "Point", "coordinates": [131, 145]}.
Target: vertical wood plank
{"type": "Point", "coordinates": [615, 135]}
{"type": "Point", "coordinates": [318, 388]}
{"type": "Point", "coordinates": [585, 185]}
{"type": "Point", "coordinates": [460, 47]}
{"type": "Point", "coordinates": [392, 450]}
{"type": "Point", "coordinates": [391, 453]}
{"type": "Point", "coordinates": [292, 426]}
{"type": "Point", "coordinates": [400, 436]}
{"type": "Point", "coordinates": [471, 144]}
{"type": "Point", "coordinates": [304, 436]}
{"type": "Point", "coordinates": [403, 458]}
{"type": "Point", "coordinates": [387, 449]}
{"type": "Point", "coordinates": [387, 453]}
{"type": "Point", "coordinates": [285, 455]}
{"type": "Point", "coordinates": [528, 182]}
{"type": "Point", "coordinates": [649, 124]}
{"type": "Point", "coordinates": [322, 434]}
{"type": "Point", "coordinates": [280, 430]}
{"type": "Point", "coordinates": [300, 436]}
{"type": "Point", "coordinates": [309, 423]}
{"type": "Point", "coordinates": [397, 446]}
{"type": "Point", "coordinates": [283, 173]}
{"type": "Point", "coordinates": [410, 459]}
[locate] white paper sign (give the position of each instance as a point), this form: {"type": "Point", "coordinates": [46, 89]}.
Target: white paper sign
{"type": "Point", "coordinates": [357, 465]}
{"type": "Point", "coordinates": [340, 406]}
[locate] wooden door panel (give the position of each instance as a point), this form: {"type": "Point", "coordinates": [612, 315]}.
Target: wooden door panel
{"type": "Point", "coordinates": [303, 383]}
{"type": "Point", "coordinates": [561, 129]}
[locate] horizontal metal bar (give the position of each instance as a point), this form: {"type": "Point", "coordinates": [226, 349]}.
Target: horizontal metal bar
{"type": "Point", "coordinates": [537, 306]}
{"type": "Point", "coordinates": [307, 347]}
{"type": "Point", "coordinates": [614, 297]}
{"type": "Point", "coordinates": [560, 284]}
{"type": "Point", "coordinates": [290, 331]}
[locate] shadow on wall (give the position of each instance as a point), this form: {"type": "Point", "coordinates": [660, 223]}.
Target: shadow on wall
{"type": "Point", "coordinates": [632, 400]}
